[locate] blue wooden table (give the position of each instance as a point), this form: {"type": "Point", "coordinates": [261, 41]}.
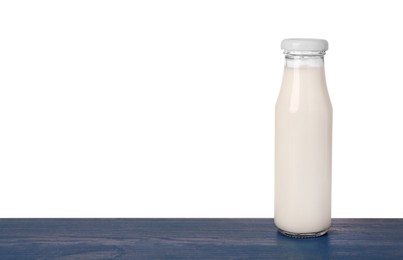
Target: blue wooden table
{"type": "Point", "coordinates": [194, 239]}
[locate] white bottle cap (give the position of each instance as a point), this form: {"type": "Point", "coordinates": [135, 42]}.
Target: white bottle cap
{"type": "Point", "coordinates": [304, 44]}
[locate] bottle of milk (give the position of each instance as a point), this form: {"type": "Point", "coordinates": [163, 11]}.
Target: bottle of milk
{"type": "Point", "coordinates": [303, 142]}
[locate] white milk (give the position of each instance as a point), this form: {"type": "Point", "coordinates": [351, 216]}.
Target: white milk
{"type": "Point", "coordinates": [303, 149]}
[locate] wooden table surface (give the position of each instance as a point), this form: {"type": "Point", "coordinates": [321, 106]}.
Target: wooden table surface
{"type": "Point", "coordinates": [194, 239]}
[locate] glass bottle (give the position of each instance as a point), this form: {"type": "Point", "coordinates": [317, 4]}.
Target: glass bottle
{"type": "Point", "coordinates": [303, 142]}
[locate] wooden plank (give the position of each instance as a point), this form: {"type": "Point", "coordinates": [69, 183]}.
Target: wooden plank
{"type": "Point", "coordinates": [194, 239]}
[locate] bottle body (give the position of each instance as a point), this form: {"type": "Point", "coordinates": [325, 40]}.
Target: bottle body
{"type": "Point", "coordinates": [303, 149]}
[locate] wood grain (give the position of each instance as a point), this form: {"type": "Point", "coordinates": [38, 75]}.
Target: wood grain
{"type": "Point", "coordinates": [194, 239]}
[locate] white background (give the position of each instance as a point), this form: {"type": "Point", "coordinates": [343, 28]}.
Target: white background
{"type": "Point", "coordinates": [166, 108]}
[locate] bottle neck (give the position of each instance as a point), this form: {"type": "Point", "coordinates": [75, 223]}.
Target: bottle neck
{"type": "Point", "coordinates": [304, 59]}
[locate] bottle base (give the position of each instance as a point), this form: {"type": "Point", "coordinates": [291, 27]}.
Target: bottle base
{"type": "Point", "coordinates": [303, 235]}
